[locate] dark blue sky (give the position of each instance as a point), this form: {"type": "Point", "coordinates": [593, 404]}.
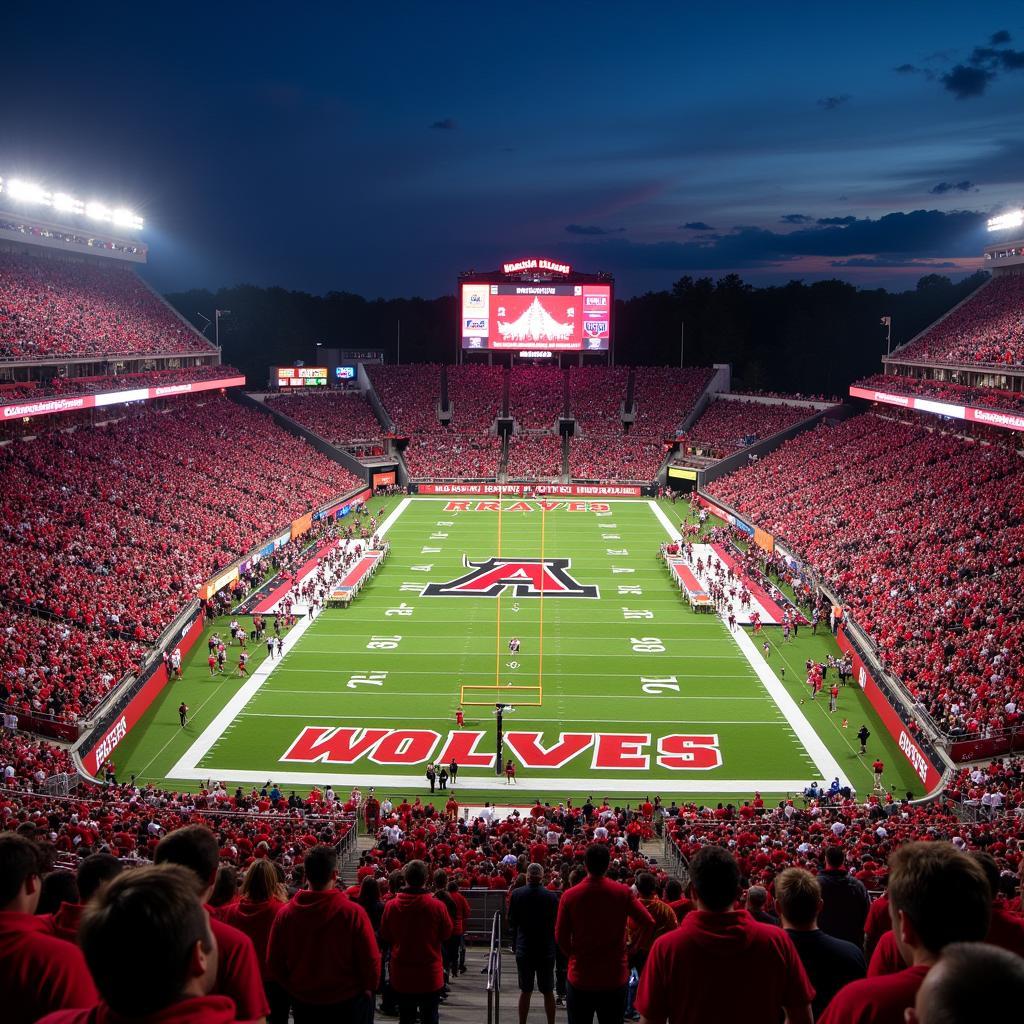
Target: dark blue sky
{"type": "Point", "coordinates": [383, 148]}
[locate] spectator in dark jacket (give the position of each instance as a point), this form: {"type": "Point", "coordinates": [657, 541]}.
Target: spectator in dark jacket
{"type": "Point", "coordinates": [830, 962]}
{"type": "Point", "coordinates": [845, 901]}
{"type": "Point", "coordinates": [416, 926]}
{"type": "Point", "coordinates": [531, 917]}
{"type": "Point", "coordinates": [757, 899]}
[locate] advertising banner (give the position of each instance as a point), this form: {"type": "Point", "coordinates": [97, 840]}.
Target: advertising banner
{"type": "Point", "coordinates": [102, 744]}
{"type": "Point", "coordinates": [49, 406]}
{"type": "Point", "coordinates": [301, 525]}
{"type": "Point", "coordinates": [764, 540]}
{"type": "Point", "coordinates": [384, 479]}
{"type": "Point", "coordinates": [517, 490]}
{"type": "Point", "coordinates": [991, 417]}
{"type": "Point", "coordinates": [928, 773]}
{"type": "Point", "coordinates": [679, 473]}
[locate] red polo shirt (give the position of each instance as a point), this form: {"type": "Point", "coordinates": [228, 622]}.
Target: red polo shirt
{"type": "Point", "coordinates": [879, 1000]}
{"type": "Point", "coordinates": [723, 966]}
{"type": "Point", "coordinates": [591, 931]}
{"type": "Point", "coordinates": [39, 973]}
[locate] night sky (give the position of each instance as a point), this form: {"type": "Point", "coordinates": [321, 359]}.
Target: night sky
{"type": "Point", "coordinates": [383, 148]}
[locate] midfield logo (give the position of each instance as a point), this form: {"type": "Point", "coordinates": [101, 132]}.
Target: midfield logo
{"type": "Point", "coordinates": [527, 577]}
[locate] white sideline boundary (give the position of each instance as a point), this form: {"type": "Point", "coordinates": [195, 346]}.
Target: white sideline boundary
{"type": "Point", "coordinates": [824, 760]}
{"type": "Point", "coordinates": [187, 765]}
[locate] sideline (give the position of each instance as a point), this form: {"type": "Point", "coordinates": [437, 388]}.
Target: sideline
{"type": "Point", "coordinates": [187, 764]}
{"type": "Point", "coordinates": [824, 760]}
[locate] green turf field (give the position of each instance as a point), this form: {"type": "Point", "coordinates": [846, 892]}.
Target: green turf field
{"type": "Point", "coordinates": [627, 692]}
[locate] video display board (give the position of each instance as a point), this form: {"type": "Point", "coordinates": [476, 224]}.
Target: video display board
{"type": "Point", "coordinates": [557, 317]}
{"type": "Point", "coordinates": [301, 376]}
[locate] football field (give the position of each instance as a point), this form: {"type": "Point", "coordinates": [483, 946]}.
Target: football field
{"type": "Point", "coordinates": [616, 686]}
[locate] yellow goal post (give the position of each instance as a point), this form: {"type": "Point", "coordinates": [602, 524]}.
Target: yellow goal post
{"type": "Point", "coordinates": [489, 694]}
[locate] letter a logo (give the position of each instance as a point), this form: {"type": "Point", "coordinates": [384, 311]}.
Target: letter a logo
{"type": "Point", "coordinates": [525, 577]}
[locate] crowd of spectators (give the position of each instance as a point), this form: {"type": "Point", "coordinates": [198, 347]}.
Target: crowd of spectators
{"type": "Point", "coordinates": [53, 307]}
{"type": "Point", "coordinates": [665, 396]}
{"type": "Point", "coordinates": [534, 456]}
{"type": "Point", "coordinates": [58, 669]}
{"type": "Point", "coordinates": [596, 394]}
{"type": "Point", "coordinates": [993, 790]}
{"type": "Point", "coordinates": [69, 387]}
{"type": "Point", "coordinates": [536, 396]}
{"type": "Point", "coordinates": [474, 394]}
{"type": "Point", "coordinates": [945, 391]}
{"type": "Point", "coordinates": [919, 532]}
{"type": "Point", "coordinates": [410, 395]}
{"type": "Point", "coordinates": [610, 457]}
{"type": "Point", "coordinates": [444, 454]}
{"type": "Point", "coordinates": [987, 328]}
{"type": "Point", "coordinates": [111, 530]}
{"type": "Point", "coordinates": [726, 426]}
{"type": "Point", "coordinates": [336, 416]}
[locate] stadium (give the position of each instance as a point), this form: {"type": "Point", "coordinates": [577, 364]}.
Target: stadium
{"type": "Point", "coordinates": [358, 637]}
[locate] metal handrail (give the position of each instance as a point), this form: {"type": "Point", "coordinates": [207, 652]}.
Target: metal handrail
{"type": "Point", "coordinates": [494, 972]}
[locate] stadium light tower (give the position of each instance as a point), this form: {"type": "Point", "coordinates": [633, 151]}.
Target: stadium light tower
{"type": "Point", "coordinates": [217, 314]}
{"type": "Point", "coordinates": [887, 324]}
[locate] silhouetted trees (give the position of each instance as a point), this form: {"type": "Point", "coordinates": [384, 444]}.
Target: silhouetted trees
{"type": "Point", "coordinates": [794, 337]}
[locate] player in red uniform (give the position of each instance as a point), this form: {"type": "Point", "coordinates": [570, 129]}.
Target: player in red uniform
{"type": "Point", "coordinates": [460, 718]}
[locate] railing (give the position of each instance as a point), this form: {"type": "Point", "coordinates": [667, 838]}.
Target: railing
{"type": "Point", "coordinates": [494, 973]}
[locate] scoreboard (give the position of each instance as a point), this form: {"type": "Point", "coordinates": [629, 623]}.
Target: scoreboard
{"type": "Point", "coordinates": [300, 376]}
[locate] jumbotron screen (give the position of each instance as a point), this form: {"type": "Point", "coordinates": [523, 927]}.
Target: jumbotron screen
{"type": "Point", "coordinates": [558, 317]}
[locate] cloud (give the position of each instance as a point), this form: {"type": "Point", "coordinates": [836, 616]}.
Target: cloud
{"type": "Point", "coordinates": [920, 234]}
{"type": "Point", "coordinates": [964, 82]}
{"type": "Point", "coordinates": [832, 102]}
{"type": "Point", "coordinates": [796, 218]}
{"type": "Point", "coordinates": [971, 76]}
{"type": "Point", "coordinates": [591, 229]}
{"type": "Point", "coordinates": [893, 262]}
{"type": "Point", "coordinates": [696, 225]}
{"type": "Point", "coordinates": [446, 124]}
{"type": "Point", "coordinates": [836, 221]}
{"type": "Point", "coordinates": [949, 186]}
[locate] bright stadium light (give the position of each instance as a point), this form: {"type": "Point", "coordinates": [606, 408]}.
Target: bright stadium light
{"type": "Point", "coordinates": [67, 204]}
{"type": "Point", "coordinates": [27, 191]}
{"type": "Point", "coordinates": [1005, 221]}
{"type": "Point", "coordinates": [22, 191]}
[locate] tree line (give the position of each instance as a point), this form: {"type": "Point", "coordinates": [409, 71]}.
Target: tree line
{"type": "Point", "coordinates": [812, 338]}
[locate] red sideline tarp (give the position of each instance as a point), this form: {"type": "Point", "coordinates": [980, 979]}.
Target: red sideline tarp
{"type": "Point", "coordinates": [360, 569]}
{"type": "Point", "coordinates": [689, 581]}
{"type": "Point", "coordinates": [267, 603]}
{"type": "Point", "coordinates": [756, 591]}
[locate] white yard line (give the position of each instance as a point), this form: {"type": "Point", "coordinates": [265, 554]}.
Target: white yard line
{"type": "Point", "coordinates": [415, 782]}
{"type": "Point", "coordinates": [826, 764]}
{"type": "Point", "coordinates": [213, 732]}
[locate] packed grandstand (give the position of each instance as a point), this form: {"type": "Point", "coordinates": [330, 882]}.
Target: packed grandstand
{"type": "Point", "coordinates": [130, 526]}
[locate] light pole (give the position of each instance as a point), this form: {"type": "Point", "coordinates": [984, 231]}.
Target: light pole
{"type": "Point", "coordinates": [887, 324]}
{"type": "Point", "coordinates": [217, 314]}
{"type": "Point", "coordinates": [682, 335]}
{"type": "Point", "coordinates": [316, 353]}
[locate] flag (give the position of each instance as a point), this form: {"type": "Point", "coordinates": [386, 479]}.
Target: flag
{"type": "Point", "coordinates": [886, 321]}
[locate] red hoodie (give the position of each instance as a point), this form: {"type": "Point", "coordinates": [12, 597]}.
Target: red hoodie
{"type": "Point", "coordinates": [64, 924]}
{"type": "Point", "coordinates": [322, 950]}
{"type": "Point", "coordinates": [691, 973]}
{"type": "Point", "coordinates": [254, 920]}
{"type": "Point", "coordinates": [39, 973]}
{"type": "Point", "coordinates": [199, 1010]}
{"type": "Point", "coordinates": [415, 925]}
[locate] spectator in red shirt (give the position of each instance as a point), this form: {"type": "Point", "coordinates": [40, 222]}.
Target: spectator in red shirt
{"type": "Point", "coordinates": [238, 970]}
{"type": "Point", "coordinates": [152, 911]}
{"type": "Point", "coordinates": [96, 869]}
{"type": "Point", "coordinates": [462, 917]}
{"type": "Point", "coordinates": [322, 950]}
{"type": "Point", "coordinates": [262, 899]}
{"type": "Point", "coordinates": [692, 972]}
{"type": "Point", "coordinates": [937, 895]}
{"type": "Point", "coordinates": [39, 973]}
{"type": "Point", "coordinates": [416, 926]}
{"type": "Point", "coordinates": [971, 982]}
{"type": "Point", "coordinates": [591, 931]}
